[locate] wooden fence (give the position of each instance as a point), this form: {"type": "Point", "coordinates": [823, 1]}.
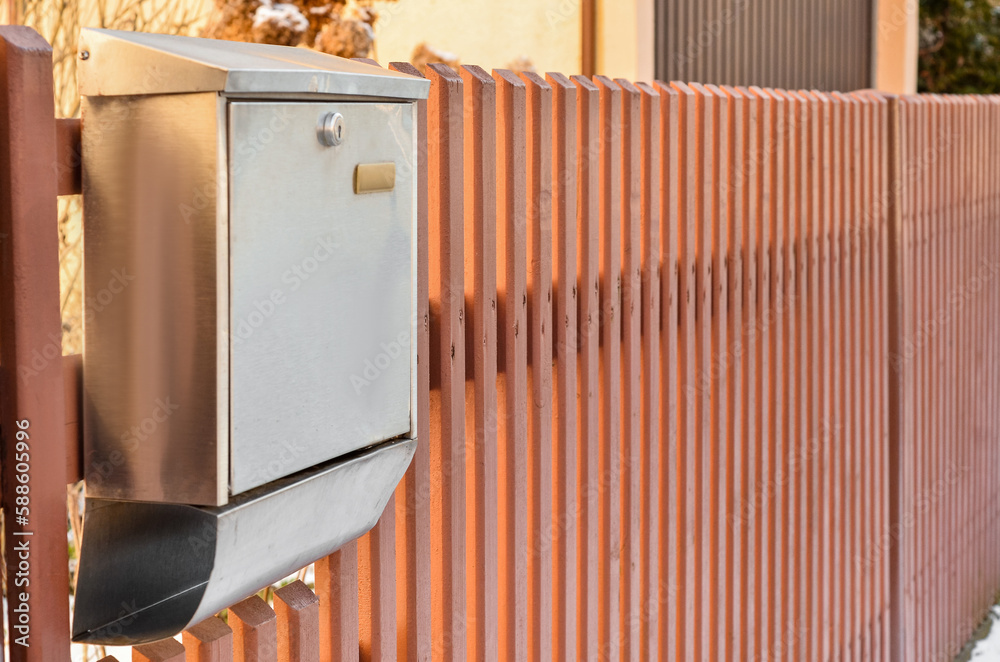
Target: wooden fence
{"type": "Point", "coordinates": [682, 392]}
{"type": "Point", "coordinates": [944, 359]}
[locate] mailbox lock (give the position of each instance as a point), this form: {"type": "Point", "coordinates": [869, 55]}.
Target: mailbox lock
{"type": "Point", "coordinates": [331, 129]}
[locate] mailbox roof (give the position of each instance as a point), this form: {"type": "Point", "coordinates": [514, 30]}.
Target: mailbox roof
{"type": "Point", "coordinates": [135, 63]}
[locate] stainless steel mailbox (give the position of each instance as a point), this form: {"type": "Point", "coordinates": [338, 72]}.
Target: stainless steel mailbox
{"type": "Point", "coordinates": [249, 332]}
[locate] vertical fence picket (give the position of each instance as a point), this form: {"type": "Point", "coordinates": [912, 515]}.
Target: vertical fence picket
{"type": "Point", "coordinates": [630, 614]}
{"type": "Point", "coordinates": [588, 151]}
{"type": "Point", "coordinates": [717, 377]}
{"type": "Point", "coordinates": [540, 320]}
{"type": "Point", "coordinates": [750, 522]}
{"type": "Point", "coordinates": [861, 235]}
{"type": "Point", "coordinates": [736, 195]}
{"type": "Point", "coordinates": [336, 587]}
{"type": "Point", "coordinates": [377, 574]}
{"type": "Point", "coordinates": [481, 333]}
{"type": "Point", "coordinates": [776, 486]}
{"type": "Point", "coordinates": [513, 448]}
{"type": "Point", "coordinates": [669, 476]}
{"type": "Point", "coordinates": [815, 427]}
{"type": "Point", "coordinates": [694, 390]}
{"type": "Point", "coordinates": [764, 429]}
{"type": "Point", "coordinates": [413, 527]}
{"type": "Point", "coordinates": [165, 650]}
{"type": "Point", "coordinates": [564, 215]}
{"type": "Point", "coordinates": [857, 440]}
{"type": "Point", "coordinates": [687, 148]}
{"type": "Point", "coordinates": [446, 241]}
{"type": "Point", "coordinates": [209, 641]}
{"type": "Point", "coordinates": [788, 470]}
{"type": "Point", "coordinates": [297, 609]}
{"type": "Point", "coordinates": [651, 194]}
{"type": "Point", "coordinates": [609, 459]}
{"type": "Point", "coordinates": [837, 335]}
{"type": "Point", "coordinates": [932, 353]}
{"type": "Point", "coordinates": [255, 631]}
{"type": "Point", "coordinates": [800, 165]}
{"type": "Point", "coordinates": [899, 399]}
{"type": "Point", "coordinates": [883, 235]}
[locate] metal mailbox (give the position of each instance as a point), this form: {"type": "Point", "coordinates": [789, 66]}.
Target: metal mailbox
{"type": "Point", "coordinates": [250, 316]}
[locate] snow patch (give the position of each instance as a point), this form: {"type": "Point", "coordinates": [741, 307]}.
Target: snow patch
{"type": "Point", "coordinates": [987, 649]}
{"type": "Point", "coordinates": [281, 15]}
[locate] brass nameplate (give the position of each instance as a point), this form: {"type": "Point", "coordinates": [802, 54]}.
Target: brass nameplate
{"type": "Point", "coordinates": [374, 177]}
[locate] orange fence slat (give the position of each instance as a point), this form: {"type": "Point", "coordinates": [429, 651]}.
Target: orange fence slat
{"type": "Point", "coordinates": [670, 211]}
{"type": "Point", "coordinates": [687, 148]}
{"type": "Point", "coordinates": [512, 390]}
{"type": "Point", "coordinates": [413, 559]}
{"type": "Point", "coordinates": [481, 330]}
{"type": "Point", "coordinates": [255, 631]}
{"type": "Point", "coordinates": [336, 587]}
{"type": "Point", "coordinates": [651, 266]}
{"type": "Point", "coordinates": [165, 650]}
{"type": "Point", "coordinates": [609, 455]}
{"type": "Point", "coordinates": [297, 609]}
{"type": "Point", "coordinates": [630, 456]}
{"type": "Point", "coordinates": [564, 231]}
{"type": "Point", "coordinates": [539, 394]}
{"type": "Point", "coordinates": [209, 641]}
{"type": "Point", "coordinates": [446, 243]}
{"type": "Point", "coordinates": [588, 170]}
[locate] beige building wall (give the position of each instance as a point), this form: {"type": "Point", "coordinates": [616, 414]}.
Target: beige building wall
{"type": "Point", "coordinates": [626, 32]}
{"type": "Point", "coordinates": [896, 42]}
{"type": "Point", "coordinates": [485, 32]}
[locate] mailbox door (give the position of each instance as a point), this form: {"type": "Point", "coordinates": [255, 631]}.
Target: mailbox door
{"type": "Point", "coordinates": [321, 281]}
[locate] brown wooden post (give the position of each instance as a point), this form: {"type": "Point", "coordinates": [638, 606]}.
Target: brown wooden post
{"type": "Point", "coordinates": [164, 650]}
{"type": "Point", "coordinates": [564, 214]}
{"type": "Point", "coordinates": [298, 623]}
{"type": "Point", "coordinates": [480, 192]}
{"type": "Point", "coordinates": [413, 513]}
{"type": "Point", "coordinates": [209, 641]}
{"type": "Point", "coordinates": [30, 352]}
{"type": "Point", "coordinates": [337, 588]}
{"type": "Point", "coordinates": [255, 631]}
{"type": "Point", "coordinates": [901, 618]}
{"type": "Point", "coordinates": [446, 242]}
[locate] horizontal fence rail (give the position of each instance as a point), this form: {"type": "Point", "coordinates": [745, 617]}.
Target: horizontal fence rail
{"type": "Point", "coordinates": [706, 373]}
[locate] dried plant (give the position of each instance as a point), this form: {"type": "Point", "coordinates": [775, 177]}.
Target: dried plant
{"type": "Point", "coordinates": [339, 27]}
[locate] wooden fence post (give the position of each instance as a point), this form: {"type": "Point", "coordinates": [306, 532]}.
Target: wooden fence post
{"type": "Point", "coordinates": [31, 353]}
